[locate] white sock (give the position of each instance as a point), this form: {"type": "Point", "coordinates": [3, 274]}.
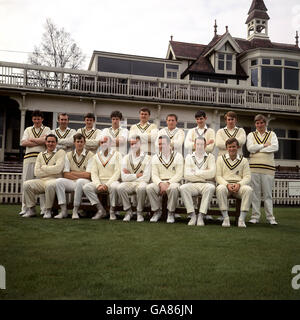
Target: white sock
{"type": "Point", "coordinates": [201, 215]}
{"type": "Point", "coordinates": [224, 214]}
{"type": "Point", "coordinates": [75, 209]}
{"type": "Point", "coordinates": [243, 215]}
{"type": "Point", "coordinates": [99, 207]}
{"type": "Point", "coordinates": [63, 207]}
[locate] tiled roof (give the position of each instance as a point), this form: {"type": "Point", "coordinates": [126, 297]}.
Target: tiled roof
{"type": "Point", "coordinates": [257, 5]}
{"type": "Point", "coordinates": [202, 64]}
{"type": "Point", "coordinates": [257, 15]}
{"type": "Point", "coordinates": [255, 43]}
{"type": "Point", "coordinates": [187, 50]}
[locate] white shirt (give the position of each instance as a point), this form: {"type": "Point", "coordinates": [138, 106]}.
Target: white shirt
{"type": "Point", "coordinates": [121, 133]}
{"type": "Point", "coordinates": [253, 147]}
{"type": "Point", "coordinates": [64, 141]}
{"type": "Point", "coordinates": [131, 177]}
{"type": "Point", "coordinates": [67, 167]}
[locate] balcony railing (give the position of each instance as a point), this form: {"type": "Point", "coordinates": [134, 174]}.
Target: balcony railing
{"type": "Point", "coordinates": [24, 76]}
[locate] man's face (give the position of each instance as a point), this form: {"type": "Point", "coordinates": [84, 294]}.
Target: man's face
{"type": "Point", "coordinates": [37, 121]}
{"type": "Point", "coordinates": [89, 123]}
{"type": "Point", "coordinates": [200, 145]}
{"type": "Point", "coordinates": [135, 144]}
{"type": "Point", "coordinates": [79, 144]}
{"type": "Point", "coordinates": [144, 116]}
{"type": "Point", "coordinates": [163, 145]}
{"type": "Point", "coordinates": [230, 122]}
{"type": "Point", "coordinates": [104, 143]}
{"type": "Point", "coordinates": [50, 144]}
{"type": "Point", "coordinates": [115, 122]}
{"type": "Point", "coordinates": [260, 125]}
{"type": "Point", "coordinates": [171, 123]}
{"type": "Point", "coordinates": [63, 121]}
{"type": "Point", "coordinates": [232, 149]}
{"type": "Point", "coordinates": [201, 121]}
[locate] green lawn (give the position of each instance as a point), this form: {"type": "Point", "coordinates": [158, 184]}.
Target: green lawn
{"type": "Point", "coordinates": [85, 259]}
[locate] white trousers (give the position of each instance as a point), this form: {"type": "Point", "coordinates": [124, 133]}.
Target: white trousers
{"type": "Point", "coordinates": [190, 190]}
{"type": "Point", "coordinates": [39, 186]}
{"type": "Point", "coordinates": [245, 193]}
{"type": "Point", "coordinates": [91, 192]}
{"type": "Point", "coordinates": [28, 174]}
{"type": "Point", "coordinates": [262, 184]}
{"type": "Point", "coordinates": [126, 189]}
{"type": "Point", "coordinates": [153, 195]}
{"type": "Point", "coordinates": [64, 185]}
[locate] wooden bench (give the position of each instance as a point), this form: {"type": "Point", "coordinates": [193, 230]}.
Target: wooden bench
{"type": "Point", "coordinates": [103, 197]}
{"type": "Point", "coordinates": [181, 210]}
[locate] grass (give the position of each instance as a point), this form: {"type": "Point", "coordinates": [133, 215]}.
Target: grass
{"type": "Point", "coordinates": [85, 259]}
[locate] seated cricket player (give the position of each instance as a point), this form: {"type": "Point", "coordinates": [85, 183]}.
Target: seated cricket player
{"type": "Point", "coordinates": [48, 167]}
{"type": "Point", "coordinates": [76, 173]}
{"type": "Point", "coordinates": [34, 140]}
{"type": "Point", "coordinates": [233, 177]}
{"type": "Point", "coordinates": [118, 134]}
{"type": "Point", "coordinates": [175, 134]}
{"type": "Point", "coordinates": [230, 131]}
{"type": "Point", "coordinates": [64, 133]}
{"type": "Point", "coordinates": [200, 130]}
{"type": "Point", "coordinates": [167, 172]}
{"type": "Point", "coordinates": [146, 130]}
{"type": "Point", "coordinates": [199, 172]}
{"type": "Point", "coordinates": [91, 134]}
{"type": "Point", "coordinates": [135, 175]}
{"type": "Point", "coordinates": [105, 175]}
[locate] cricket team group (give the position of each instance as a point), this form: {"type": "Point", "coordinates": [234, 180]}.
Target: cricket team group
{"type": "Point", "coordinates": [142, 164]}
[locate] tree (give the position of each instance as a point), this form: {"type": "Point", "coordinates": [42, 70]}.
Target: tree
{"type": "Point", "coordinates": [57, 49]}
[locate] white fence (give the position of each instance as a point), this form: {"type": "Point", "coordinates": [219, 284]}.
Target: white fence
{"type": "Point", "coordinates": [11, 190]}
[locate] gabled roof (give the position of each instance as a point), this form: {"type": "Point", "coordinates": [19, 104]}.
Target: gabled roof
{"type": "Point", "coordinates": [188, 51]}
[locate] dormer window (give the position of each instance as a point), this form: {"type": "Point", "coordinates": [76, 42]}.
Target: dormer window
{"type": "Point", "coordinates": [225, 61]}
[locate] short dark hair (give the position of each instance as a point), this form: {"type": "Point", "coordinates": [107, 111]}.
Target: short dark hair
{"type": "Point", "coordinates": [51, 135]}
{"type": "Point", "coordinates": [200, 113]}
{"type": "Point", "coordinates": [89, 115]}
{"type": "Point", "coordinates": [144, 109]}
{"type": "Point", "coordinates": [231, 141]}
{"type": "Point", "coordinates": [172, 115]}
{"type": "Point", "coordinates": [165, 137]}
{"type": "Point", "coordinates": [116, 114]}
{"type": "Point", "coordinates": [37, 113]}
{"type": "Point", "coordinates": [62, 114]}
{"type": "Point", "coordinates": [78, 136]}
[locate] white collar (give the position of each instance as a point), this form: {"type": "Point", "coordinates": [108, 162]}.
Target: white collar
{"type": "Point", "coordinates": [88, 130]}
{"type": "Point", "coordinates": [110, 152]}
{"type": "Point", "coordinates": [67, 128]}
{"type": "Point", "coordinates": [83, 153]}
{"type": "Point", "coordinates": [133, 154]}
{"type": "Point", "coordinates": [231, 129]}
{"type": "Point", "coordinates": [204, 155]}
{"type": "Point", "coordinates": [171, 130]}
{"type": "Point", "coordinates": [238, 157]}
{"type": "Point", "coordinates": [205, 127]}
{"type": "Point", "coordinates": [54, 151]}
